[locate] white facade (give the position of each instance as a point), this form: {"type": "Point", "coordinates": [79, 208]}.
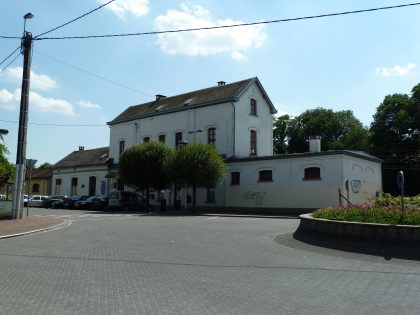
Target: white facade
{"type": "Point", "coordinates": [232, 122]}
{"type": "Point", "coordinates": [356, 175]}
{"type": "Point", "coordinates": [89, 180]}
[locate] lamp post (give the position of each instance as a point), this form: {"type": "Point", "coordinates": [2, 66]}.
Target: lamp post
{"type": "Point", "coordinates": [26, 47]}
{"type": "Point", "coordinates": [3, 132]}
{"type": "Point", "coordinates": [30, 165]}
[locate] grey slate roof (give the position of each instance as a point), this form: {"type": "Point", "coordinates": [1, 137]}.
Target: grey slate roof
{"type": "Point", "coordinates": [84, 158]}
{"type": "Point", "coordinates": [205, 97]}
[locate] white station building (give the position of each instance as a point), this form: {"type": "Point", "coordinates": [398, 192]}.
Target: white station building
{"type": "Point", "coordinates": [237, 118]}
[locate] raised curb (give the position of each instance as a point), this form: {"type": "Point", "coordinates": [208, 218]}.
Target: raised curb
{"type": "Point", "coordinates": [359, 231]}
{"type": "Point", "coordinates": [49, 228]}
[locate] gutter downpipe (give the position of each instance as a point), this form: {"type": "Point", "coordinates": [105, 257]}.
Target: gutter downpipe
{"type": "Point", "coordinates": [234, 128]}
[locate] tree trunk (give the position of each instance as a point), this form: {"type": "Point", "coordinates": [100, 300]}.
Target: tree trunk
{"type": "Point", "coordinates": [194, 186]}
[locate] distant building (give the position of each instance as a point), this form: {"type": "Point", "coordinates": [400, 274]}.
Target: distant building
{"type": "Point", "coordinates": [82, 172]}
{"type": "Point", "coordinates": [40, 182]}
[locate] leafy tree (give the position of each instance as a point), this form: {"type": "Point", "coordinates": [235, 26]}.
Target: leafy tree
{"type": "Point", "coordinates": [45, 165]}
{"type": "Point", "coordinates": [338, 130]}
{"type": "Point", "coordinates": [198, 165]}
{"type": "Point", "coordinates": [395, 128]}
{"type": "Point", "coordinates": [146, 166]}
{"type": "Point", "coordinates": [280, 129]}
{"type": "Point", "coordinates": [6, 168]}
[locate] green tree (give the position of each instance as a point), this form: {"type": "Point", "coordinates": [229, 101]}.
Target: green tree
{"type": "Point", "coordinates": [338, 130]}
{"type": "Point", "coordinates": [198, 165]}
{"type": "Point", "coordinates": [146, 166]}
{"type": "Point", "coordinates": [45, 165]}
{"type": "Point", "coordinates": [395, 128]}
{"type": "Point", "coordinates": [280, 128]}
{"type": "Point", "coordinates": [6, 168]}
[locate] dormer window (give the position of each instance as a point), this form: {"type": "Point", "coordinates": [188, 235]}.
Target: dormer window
{"type": "Point", "coordinates": [253, 109]}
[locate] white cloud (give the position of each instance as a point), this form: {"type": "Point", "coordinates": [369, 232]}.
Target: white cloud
{"type": "Point", "coordinates": [397, 71]}
{"type": "Point", "coordinates": [121, 7]}
{"type": "Point", "coordinates": [7, 100]}
{"type": "Point", "coordinates": [234, 41]}
{"type": "Point", "coordinates": [38, 81]}
{"type": "Point", "coordinates": [88, 104]}
{"type": "Point", "coordinates": [37, 103]}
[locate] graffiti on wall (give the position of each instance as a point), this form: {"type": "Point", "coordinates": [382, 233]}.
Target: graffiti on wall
{"type": "Point", "coordinates": [356, 185]}
{"type": "Point", "coordinates": [258, 196]}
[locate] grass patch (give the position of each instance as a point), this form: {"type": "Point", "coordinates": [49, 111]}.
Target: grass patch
{"type": "Point", "coordinates": [371, 214]}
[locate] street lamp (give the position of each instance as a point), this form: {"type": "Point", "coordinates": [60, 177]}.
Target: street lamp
{"type": "Point", "coordinates": [3, 132]}
{"type": "Point", "coordinates": [26, 47]}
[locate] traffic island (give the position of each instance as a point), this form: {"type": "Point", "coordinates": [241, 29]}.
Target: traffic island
{"type": "Point", "coordinates": [378, 239]}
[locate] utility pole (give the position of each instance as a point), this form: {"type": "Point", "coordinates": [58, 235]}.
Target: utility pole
{"type": "Point", "coordinates": [26, 47]}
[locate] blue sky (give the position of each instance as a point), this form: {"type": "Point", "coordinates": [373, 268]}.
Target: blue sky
{"type": "Point", "coordinates": [345, 62]}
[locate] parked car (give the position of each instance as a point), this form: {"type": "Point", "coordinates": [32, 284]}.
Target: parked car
{"type": "Point", "coordinates": [25, 200]}
{"type": "Point", "coordinates": [36, 201]}
{"type": "Point", "coordinates": [126, 200]}
{"type": "Point", "coordinates": [97, 202]}
{"type": "Point", "coordinates": [49, 200]}
{"type": "Point", "coordinates": [67, 202]}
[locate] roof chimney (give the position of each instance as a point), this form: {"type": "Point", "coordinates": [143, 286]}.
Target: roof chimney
{"type": "Point", "coordinates": [315, 144]}
{"type": "Point", "coordinates": [221, 83]}
{"type": "Point", "coordinates": [160, 96]}
{"type": "Point", "coordinates": [81, 148]}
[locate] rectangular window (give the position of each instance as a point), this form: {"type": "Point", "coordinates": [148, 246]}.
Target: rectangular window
{"type": "Point", "coordinates": [162, 138]}
{"type": "Point", "coordinates": [266, 176]}
{"type": "Point", "coordinates": [122, 146]}
{"type": "Point", "coordinates": [211, 196]}
{"type": "Point", "coordinates": [146, 139]}
{"type": "Point", "coordinates": [235, 178]}
{"type": "Point", "coordinates": [178, 138]}
{"type": "Point", "coordinates": [312, 173]}
{"type": "Point", "coordinates": [253, 140]}
{"type": "Point", "coordinates": [58, 186]}
{"type": "Point", "coordinates": [211, 136]}
{"type": "Point", "coordinates": [253, 110]}
{"type": "Point", "coordinates": [74, 186]}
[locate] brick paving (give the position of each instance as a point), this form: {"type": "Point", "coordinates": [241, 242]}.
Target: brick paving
{"type": "Point", "coordinates": [27, 224]}
{"type": "Point", "coordinates": [104, 264]}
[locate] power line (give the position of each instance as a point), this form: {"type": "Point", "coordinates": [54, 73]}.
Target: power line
{"type": "Point", "coordinates": [71, 21]}
{"type": "Point", "coordinates": [13, 60]}
{"type": "Point", "coordinates": [92, 74]}
{"type": "Point", "coordinates": [9, 37]}
{"type": "Point", "coordinates": [233, 25]}
{"type": "Point", "coordinates": [10, 55]}
{"type": "Point", "coordinates": [56, 125]}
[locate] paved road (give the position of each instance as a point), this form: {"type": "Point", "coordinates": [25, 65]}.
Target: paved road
{"type": "Point", "coordinates": [136, 264]}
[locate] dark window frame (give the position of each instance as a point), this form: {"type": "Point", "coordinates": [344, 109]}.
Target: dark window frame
{"type": "Point", "coordinates": [253, 142]}
{"type": "Point", "coordinates": [211, 196]}
{"type": "Point", "coordinates": [253, 107]}
{"type": "Point", "coordinates": [211, 136]}
{"type": "Point", "coordinates": [35, 188]}
{"type": "Point", "coordinates": [121, 146]}
{"type": "Point", "coordinates": [178, 138]}
{"type": "Point", "coordinates": [265, 176]}
{"type": "Point", "coordinates": [235, 178]}
{"type": "Point", "coordinates": [162, 138]}
{"type": "Point", "coordinates": [146, 139]}
{"type": "Point", "coordinates": [312, 173]}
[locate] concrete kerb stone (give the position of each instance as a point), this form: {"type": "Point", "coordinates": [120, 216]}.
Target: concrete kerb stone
{"type": "Point", "coordinates": [61, 225]}
{"type": "Point", "coordinates": [360, 231]}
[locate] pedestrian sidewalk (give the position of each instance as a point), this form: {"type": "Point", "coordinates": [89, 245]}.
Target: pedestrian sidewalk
{"type": "Point", "coordinates": [27, 225]}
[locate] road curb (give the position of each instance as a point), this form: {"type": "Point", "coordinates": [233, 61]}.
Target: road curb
{"type": "Point", "coordinates": [61, 225]}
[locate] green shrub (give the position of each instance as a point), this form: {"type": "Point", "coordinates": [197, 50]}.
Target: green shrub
{"type": "Point", "coordinates": [387, 200]}
{"type": "Point", "coordinates": [371, 214]}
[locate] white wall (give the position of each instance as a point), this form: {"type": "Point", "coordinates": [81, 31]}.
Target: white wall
{"type": "Point", "coordinates": [82, 174]}
{"type": "Point", "coordinates": [289, 189]}
{"type": "Point", "coordinates": [232, 135]}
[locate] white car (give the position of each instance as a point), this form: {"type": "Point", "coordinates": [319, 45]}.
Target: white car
{"type": "Point", "coordinates": [36, 201]}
